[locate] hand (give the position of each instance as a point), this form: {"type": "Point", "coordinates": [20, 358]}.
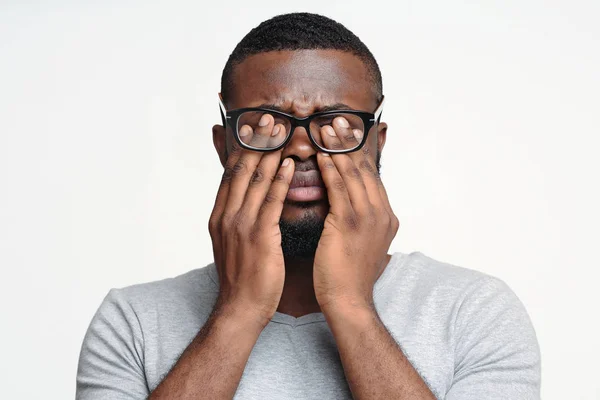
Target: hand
{"type": "Point", "coordinates": [244, 226]}
{"type": "Point", "coordinates": [360, 225]}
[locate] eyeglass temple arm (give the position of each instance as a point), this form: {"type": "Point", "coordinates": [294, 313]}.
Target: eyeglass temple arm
{"type": "Point", "coordinates": [378, 111]}
{"type": "Point", "coordinates": [223, 110]}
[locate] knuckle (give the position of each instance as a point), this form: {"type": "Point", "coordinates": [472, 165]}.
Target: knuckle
{"type": "Point", "coordinates": [227, 174]}
{"type": "Point", "coordinates": [338, 184]}
{"type": "Point", "coordinates": [395, 223]}
{"type": "Point", "coordinates": [253, 236]}
{"type": "Point", "coordinates": [365, 165]}
{"type": "Point", "coordinates": [351, 222]}
{"type": "Point", "coordinates": [353, 172]}
{"type": "Point", "coordinates": [213, 224]}
{"type": "Point", "coordinates": [279, 177]}
{"type": "Point", "coordinates": [328, 165]}
{"type": "Point", "coordinates": [258, 176]}
{"type": "Point", "coordinates": [271, 198]}
{"type": "Point", "coordinates": [235, 148]}
{"type": "Point", "coordinates": [227, 219]}
{"type": "Point", "coordinates": [337, 145]}
{"type": "Point", "coordinates": [240, 225]}
{"type": "Point", "coordinates": [239, 168]}
{"type": "Point", "coordinates": [383, 219]}
{"type": "Point", "coordinates": [349, 137]}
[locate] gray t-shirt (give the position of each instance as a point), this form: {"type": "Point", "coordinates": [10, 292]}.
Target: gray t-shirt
{"type": "Point", "coordinates": [466, 333]}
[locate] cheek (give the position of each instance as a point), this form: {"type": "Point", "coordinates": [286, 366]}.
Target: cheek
{"type": "Point", "coordinates": [230, 141]}
{"type": "Point", "coordinates": [371, 144]}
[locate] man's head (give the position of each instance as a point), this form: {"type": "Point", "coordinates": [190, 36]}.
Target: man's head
{"type": "Point", "coordinates": [301, 64]}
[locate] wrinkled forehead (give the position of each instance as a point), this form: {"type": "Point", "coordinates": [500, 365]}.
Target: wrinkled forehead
{"type": "Point", "coordinates": [302, 81]}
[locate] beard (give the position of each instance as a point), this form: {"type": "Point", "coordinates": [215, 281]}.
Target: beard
{"type": "Point", "coordinates": [300, 238]}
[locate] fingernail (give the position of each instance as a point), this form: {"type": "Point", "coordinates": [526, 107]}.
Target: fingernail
{"type": "Point", "coordinates": [358, 134]}
{"type": "Point", "coordinates": [330, 130]}
{"type": "Point", "coordinates": [325, 154]}
{"type": "Point", "coordinates": [264, 120]}
{"type": "Point", "coordinates": [342, 121]}
{"type": "Point", "coordinates": [244, 130]}
{"type": "Point", "coordinates": [276, 130]}
{"type": "Point", "coordinates": [285, 162]}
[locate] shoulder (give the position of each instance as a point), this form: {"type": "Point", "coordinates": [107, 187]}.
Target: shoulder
{"type": "Point", "coordinates": [193, 289]}
{"type": "Point", "coordinates": [127, 328]}
{"type": "Point", "coordinates": [488, 327]}
{"type": "Point", "coordinates": [467, 289]}
{"type": "Point", "coordinates": [468, 301]}
{"type": "Point", "coordinates": [426, 274]}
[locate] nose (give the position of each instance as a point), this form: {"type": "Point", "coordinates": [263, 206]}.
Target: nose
{"type": "Point", "coordinates": [299, 147]}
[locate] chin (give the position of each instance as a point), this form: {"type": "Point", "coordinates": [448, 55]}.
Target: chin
{"type": "Point", "coordinates": [295, 211]}
{"type": "Point", "coordinates": [301, 227]}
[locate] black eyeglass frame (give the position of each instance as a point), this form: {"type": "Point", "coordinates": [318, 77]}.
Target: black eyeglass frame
{"type": "Point", "coordinates": [369, 120]}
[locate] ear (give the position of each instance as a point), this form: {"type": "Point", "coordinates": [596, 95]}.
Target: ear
{"type": "Point", "coordinates": [220, 143]}
{"type": "Point", "coordinates": [381, 135]}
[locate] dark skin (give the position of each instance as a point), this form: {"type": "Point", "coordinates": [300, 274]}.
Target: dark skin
{"type": "Point", "coordinates": [256, 278]}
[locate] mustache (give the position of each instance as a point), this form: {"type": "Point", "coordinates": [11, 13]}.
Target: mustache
{"type": "Point", "coordinates": [309, 164]}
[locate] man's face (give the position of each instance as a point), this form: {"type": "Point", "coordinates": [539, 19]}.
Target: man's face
{"type": "Point", "coordinates": [302, 82]}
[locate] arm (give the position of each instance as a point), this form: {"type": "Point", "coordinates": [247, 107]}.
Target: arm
{"type": "Point", "coordinates": [374, 364]}
{"type": "Point", "coordinates": [251, 277]}
{"type": "Point", "coordinates": [251, 272]}
{"type": "Point", "coordinates": [495, 346]}
{"type": "Point", "coordinates": [111, 364]}
{"type": "Point", "coordinates": [352, 253]}
{"type": "Point", "coordinates": [212, 365]}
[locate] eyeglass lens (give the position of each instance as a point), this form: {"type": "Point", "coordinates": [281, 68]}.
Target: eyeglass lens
{"type": "Point", "coordinates": [338, 131]}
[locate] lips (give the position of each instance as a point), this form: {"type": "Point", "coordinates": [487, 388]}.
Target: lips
{"type": "Point", "coordinates": [306, 186]}
{"type": "Point", "coordinates": [306, 179]}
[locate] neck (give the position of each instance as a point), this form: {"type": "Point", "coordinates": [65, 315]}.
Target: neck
{"type": "Point", "coordinates": [298, 297]}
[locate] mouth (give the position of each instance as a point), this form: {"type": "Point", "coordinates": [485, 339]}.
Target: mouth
{"type": "Point", "coordinates": [306, 186]}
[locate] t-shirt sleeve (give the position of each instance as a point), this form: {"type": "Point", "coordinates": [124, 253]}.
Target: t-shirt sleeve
{"type": "Point", "coordinates": [496, 350]}
{"type": "Point", "coordinates": [111, 363]}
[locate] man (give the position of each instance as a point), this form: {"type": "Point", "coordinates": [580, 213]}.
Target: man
{"type": "Point", "coordinates": [303, 300]}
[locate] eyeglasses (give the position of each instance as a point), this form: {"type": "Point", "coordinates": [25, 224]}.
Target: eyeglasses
{"type": "Point", "coordinates": [254, 131]}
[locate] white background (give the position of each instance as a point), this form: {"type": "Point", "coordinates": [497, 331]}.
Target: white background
{"type": "Point", "coordinates": [108, 174]}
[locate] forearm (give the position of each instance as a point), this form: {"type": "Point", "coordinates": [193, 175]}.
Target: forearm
{"type": "Point", "coordinates": [212, 365]}
{"type": "Point", "coordinates": [374, 365]}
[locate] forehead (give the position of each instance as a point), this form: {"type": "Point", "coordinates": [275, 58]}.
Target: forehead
{"type": "Point", "coordinates": [302, 80]}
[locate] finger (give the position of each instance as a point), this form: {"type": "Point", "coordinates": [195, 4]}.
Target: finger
{"type": "Point", "coordinates": [260, 183]}
{"type": "Point", "coordinates": [346, 134]}
{"type": "Point", "coordinates": [246, 133]}
{"type": "Point", "coordinates": [370, 176]}
{"type": "Point", "coordinates": [278, 135]}
{"type": "Point", "coordinates": [329, 138]}
{"type": "Point", "coordinates": [357, 191]}
{"type": "Point", "coordinates": [351, 137]}
{"type": "Point", "coordinates": [348, 169]}
{"type": "Point", "coordinates": [223, 192]}
{"type": "Point", "coordinates": [263, 131]}
{"type": "Point", "coordinates": [241, 173]}
{"type": "Point", "coordinates": [272, 206]}
{"type": "Point", "coordinates": [337, 192]}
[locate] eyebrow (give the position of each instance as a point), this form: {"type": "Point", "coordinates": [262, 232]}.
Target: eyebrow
{"type": "Point", "coordinates": [330, 107]}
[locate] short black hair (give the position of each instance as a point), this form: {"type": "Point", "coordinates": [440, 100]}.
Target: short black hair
{"type": "Point", "coordinates": [300, 31]}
